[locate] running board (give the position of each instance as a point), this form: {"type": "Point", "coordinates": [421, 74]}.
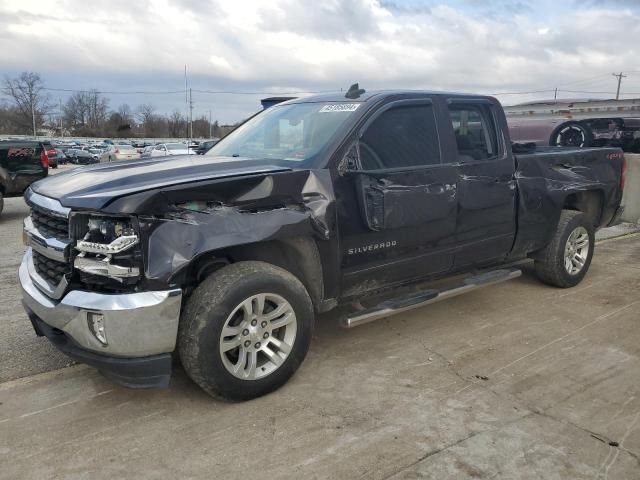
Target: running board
{"type": "Point", "coordinates": [426, 297]}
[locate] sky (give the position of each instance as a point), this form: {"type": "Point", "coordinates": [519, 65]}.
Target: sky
{"type": "Point", "coordinates": [297, 46]}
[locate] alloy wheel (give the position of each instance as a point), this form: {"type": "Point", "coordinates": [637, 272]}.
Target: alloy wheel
{"type": "Point", "coordinates": [576, 251]}
{"type": "Point", "coordinates": [258, 336]}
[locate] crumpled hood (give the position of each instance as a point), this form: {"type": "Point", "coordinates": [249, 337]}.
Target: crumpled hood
{"type": "Point", "coordinates": [94, 186]}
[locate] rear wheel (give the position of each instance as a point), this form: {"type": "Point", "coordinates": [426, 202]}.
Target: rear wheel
{"type": "Point", "coordinates": [245, 330]}
{"type": "Point", "coordinates": [566, 260]}
{"type": "Point", "coordinates": [572, 134]}
{"type": "Point", "coordinates": [1, 201]}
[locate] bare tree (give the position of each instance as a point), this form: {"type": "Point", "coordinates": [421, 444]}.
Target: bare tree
{"type": "Point", "coordinates": [31, 103]}
{"type": "Point", "coordinates": [124, 111]}
{"type": "Point", "coordinates": [76, 111]}
{"type": "Point", "coordinates": [201, 127]}
{"type": "Point", "coordinates": [97, 107]}
{"type": "Point", "coordinates": [146, 115]}
{"type": "Point", "coordinates": [86, 112]}
{"type": "Point", "coordinates": [177, 124]}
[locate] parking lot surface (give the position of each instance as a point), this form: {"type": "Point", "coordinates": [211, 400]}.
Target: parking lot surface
{"type": "Point", "coordinates": [517, 380]}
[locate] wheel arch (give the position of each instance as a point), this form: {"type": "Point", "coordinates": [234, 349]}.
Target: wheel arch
{"type": "Point", "coordinates": [589, 202]}
{"type": "Point", "coordinates": [298, 255]}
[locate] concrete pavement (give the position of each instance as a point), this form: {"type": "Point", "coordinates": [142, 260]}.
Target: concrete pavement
{"type": "Point", "coordinates": [517, 380]}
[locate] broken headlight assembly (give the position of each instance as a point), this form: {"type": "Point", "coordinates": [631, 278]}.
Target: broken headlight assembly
{"type": "Point", "coordinates": [107, 250]}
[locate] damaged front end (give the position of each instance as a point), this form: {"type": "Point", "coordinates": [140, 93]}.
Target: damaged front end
{"type": "Point", "coordinates": [179, 224]}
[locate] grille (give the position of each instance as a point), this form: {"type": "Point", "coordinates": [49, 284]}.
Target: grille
{"type": "Point", "coordinates": [51, 270]}
{"type": "Point", "coordinates": [48, 224]}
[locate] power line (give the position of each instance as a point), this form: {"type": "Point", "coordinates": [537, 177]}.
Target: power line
{"type": "Point", "coordinates": [524, 93]}
{"type": "Point", "coordinates": [107, 92]}
{"type": "Point", "coordinates": [173, 92]}
{"type": "Point", "coordinates": [264, 93]}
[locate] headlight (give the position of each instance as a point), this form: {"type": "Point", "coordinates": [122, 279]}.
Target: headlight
{"type": "Point", "coordinates": [101, 243]}
{"type": "Point", "coordinates": [107, 236]}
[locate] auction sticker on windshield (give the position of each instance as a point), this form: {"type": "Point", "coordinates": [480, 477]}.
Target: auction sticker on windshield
{"type": "Point", "coordinates": [339, 107]}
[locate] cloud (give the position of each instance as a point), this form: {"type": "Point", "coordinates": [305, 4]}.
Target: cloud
{"type": "Point", "coordinates": [330, 19]}
{"type": "Point", "coordinates": [289, 45]}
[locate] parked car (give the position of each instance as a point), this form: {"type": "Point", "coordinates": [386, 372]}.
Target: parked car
{"type": "Point", "coordinates": [21, 164]}
{"type": "Point", "coordinates": [146, 152]}
{"type": "Point", "coordinates": [61, 156]}
{"type": "Point", "coordinates": [119, 152]}
{"type": "Point", "coordinates": [52, 154]}
{"type": "Point", "coordinates": [577, 123]}
{"type": "Point", "coordinates": [167, 149]}
{"type": "Point", "coordinates": [81, 157]}
{"type": "Point", "coordinates": [205, 146]}
{"type": "Point", "coordinates": [95, 152]}
{"type": "Point", "coordinates": [310, 204]}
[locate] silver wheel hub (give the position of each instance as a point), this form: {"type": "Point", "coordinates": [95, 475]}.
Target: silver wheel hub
{"type": "Point", "coordinates": [258, 336]}
{"type": "Point", "coordinates": [576, 251]}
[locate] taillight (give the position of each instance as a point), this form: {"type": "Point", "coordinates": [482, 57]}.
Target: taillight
{"type": "Point", "coordinates": [44, 159]}
{"type": "Point", "coordinates": [117, 151]}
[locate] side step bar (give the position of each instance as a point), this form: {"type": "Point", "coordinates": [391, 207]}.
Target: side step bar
{"type": "Point", "coordinates": [426, 297]}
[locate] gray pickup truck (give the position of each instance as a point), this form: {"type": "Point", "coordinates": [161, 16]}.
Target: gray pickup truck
{"type": "Point", "coordinates": [21, 164]}
{"type": "Point", "coordinates": [225, 259]}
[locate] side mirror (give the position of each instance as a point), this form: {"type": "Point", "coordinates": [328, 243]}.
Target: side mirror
{"type": "Point", "coordinates": [349, 163]}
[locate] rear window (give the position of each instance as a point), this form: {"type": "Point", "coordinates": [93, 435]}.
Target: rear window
{"type": "Point", "coordinates": [475, 132]}
{"type": "Point", "coordinates": [124, 147]}
{"type": "Point", "coordinates": [176, 146]}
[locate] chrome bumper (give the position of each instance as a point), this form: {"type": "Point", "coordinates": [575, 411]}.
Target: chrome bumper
{"type": "Point", "coordinates": [136, 324]}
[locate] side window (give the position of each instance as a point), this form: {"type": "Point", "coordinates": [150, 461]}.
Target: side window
{"type": "Point", "coordinates": [475, 132]}
{"type": "Point", "coordinates": [404, 136]}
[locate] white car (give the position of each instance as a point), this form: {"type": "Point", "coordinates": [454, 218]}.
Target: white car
{"type": "Point", "coordinates": [146, 152]}
{"type": "Point", "coordinates": [119, 152]}
{"type": "Point", "coordinates": [166, 149]}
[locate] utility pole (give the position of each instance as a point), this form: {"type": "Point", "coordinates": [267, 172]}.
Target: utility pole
{"type": "Point", "coordinates": [620, 77]}
{"type": "Point", "coordinates": [190, 116]}
{"type": "Point", "coordinates": [210, 126]}
{"type": "Point", "coordinates": [186, 98]}
{"type": "Point", "coordinates": [60, 114]}
{"type": "Point", "coordinates": [33, 117]}
{"type": "Point", "coordinates": [555, 95]}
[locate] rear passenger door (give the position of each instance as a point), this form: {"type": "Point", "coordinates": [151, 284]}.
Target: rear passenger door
{"type": "Point", "coordinates": [398, 212]}
{"type": "Point", "coordinates": [485, 228]}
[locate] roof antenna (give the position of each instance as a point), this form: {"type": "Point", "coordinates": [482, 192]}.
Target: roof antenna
{"type": "Point", "coordinates": [354, 91]}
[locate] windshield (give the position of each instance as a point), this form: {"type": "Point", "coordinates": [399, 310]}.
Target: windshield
{"type": "Point", "coordinates": [176, 146]}
{"type": "Point", "coordinates": [295, 132]}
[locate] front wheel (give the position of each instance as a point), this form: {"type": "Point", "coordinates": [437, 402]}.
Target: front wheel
{"type": "Point", "coordinates": [566, 260]}
{"type": "Point", "coordinates": [245, 330]}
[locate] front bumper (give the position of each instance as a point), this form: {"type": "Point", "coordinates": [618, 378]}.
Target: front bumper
{"type": "Point", "coordinates": [138, 326]}
{"type": "Point", "coordinates": [139, 372]}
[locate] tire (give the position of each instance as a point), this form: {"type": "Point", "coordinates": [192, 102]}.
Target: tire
{"type": "Point", "coordinates": [551, 264]}
{"type": "Point", "coordinates": [572, 134]}
{"type": "Point", "coordinates": [217, 305]}
{"type": "Point", "coordinates": [1, 202]}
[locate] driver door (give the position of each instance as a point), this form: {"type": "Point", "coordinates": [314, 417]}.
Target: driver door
{"type": "Point", "coordinates": [397, 209]}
